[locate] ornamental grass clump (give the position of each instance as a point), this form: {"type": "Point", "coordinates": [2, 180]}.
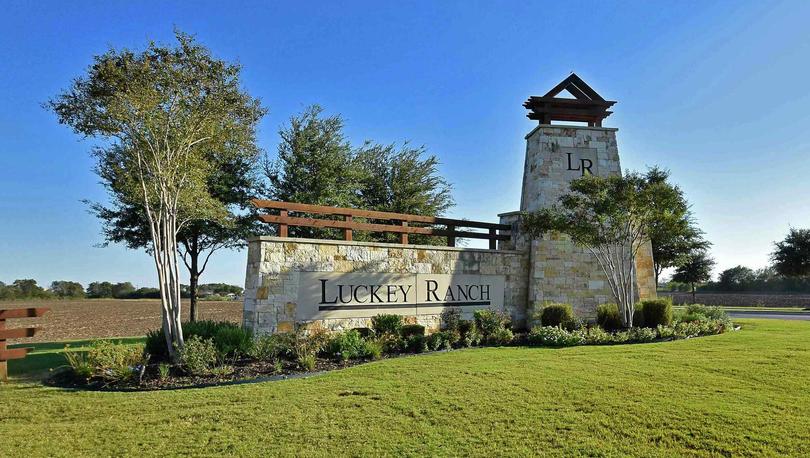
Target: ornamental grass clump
{"type": "Point", "coordinates": [110, 362]}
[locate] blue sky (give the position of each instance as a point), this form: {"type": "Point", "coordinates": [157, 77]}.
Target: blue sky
{"type": "Point", "coordinates": [715, 91]}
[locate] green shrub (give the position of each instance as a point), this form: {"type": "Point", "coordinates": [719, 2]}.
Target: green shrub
{"type": "Point", "coordinates": [500, 337]}
{"type": "Point", "coordinates": [700, 312]}
{"type": "Point", "coordinates": [443, 340]}
{"type": "Point", "coordinates": [114, 362]}
{"type": "Point", "coordinates": [641, 334]}
{"type": "Point", "coordinates": [386, 324]}
{"type": "Point", "coordinates": [451, 317]}
{"type": "Point", "coordinates": [665, 332]}
{"type": "Point", "coordinates": [657, 312]}
{"type": "Point", "coordinates": [233, 341]}
{"type": "Point", "coordinates": [346, 345]}
{"type": "Point", "coordinates": [556, 315]}
{"type": "Point", "coordinates": [198, 356]}
{"type": "Point", "coordinates": [468, 333]}
{"type": "Point", "coordinates": [307, 362]}
{"type": "Point", "coordinates": [598, 336]}
{"type": "Point", "coordinates": [555, 336]}
{"type": "Point", "coordinates": [155, 345]}
{"type": "Point", "coordinates": [270, 347]}
{"type": "Point", "coordinates": [411, 330]}
{"type": "Point", "coordinates": [372, 348]}
{"type": "Point", "coordinates": [392, 343]}
{"type": "Point", "coordinates": [365, 333]}
{"type": "Point", "coordinates": [489, 321]}
{"type": "Point", "coordinates": [79, 363]}
{"type": "Point", "coordinates": [163, 371]}
{"type": "Point", "coordinates": [416, 343]}
{"type": "Point", "coordinates": [205, 329]}
{"type": "Point", "coordinates": [308, 344]}
{"type": "Point", "coordinates": [607, 316]}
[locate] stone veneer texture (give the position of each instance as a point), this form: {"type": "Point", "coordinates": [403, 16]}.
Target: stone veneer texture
{"type": "Point", "coordinates": [271, 288]}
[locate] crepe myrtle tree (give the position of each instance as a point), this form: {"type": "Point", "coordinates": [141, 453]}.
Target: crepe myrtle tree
{"type": "Point", "coordinates": [166, 116]}
{"type": "Point", "coordinates": [610, 217]}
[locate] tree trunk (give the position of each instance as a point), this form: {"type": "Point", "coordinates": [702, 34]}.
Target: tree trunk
{"type": "Point", "coordinates": [694, 298]}
{"type": "Point", "coordinates": [164, 239]}
{"type": "Point", "coordinates": [194, 277]}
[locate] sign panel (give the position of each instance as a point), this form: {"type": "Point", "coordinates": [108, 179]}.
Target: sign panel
{"type": "Point", "coordinates": [359, 295]}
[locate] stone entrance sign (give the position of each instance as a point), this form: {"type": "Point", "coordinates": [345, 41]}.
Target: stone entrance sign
{"type": "Point", "coordinates": [325, 295]}
{"type": "Point", "coordinates": [342, 284]}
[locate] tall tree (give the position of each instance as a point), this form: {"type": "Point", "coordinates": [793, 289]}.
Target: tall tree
{"type": "Point", "coordinates": [169, 116]}
{"type": "Point", "coordinates": [674, 234]}
{"type": "Point", "coordinates": [697, 268]}
{"type": "Point", "coordinates": [791, 257]}
{"type": "Point", "coordinates": [405, 180]}
{"type": "Point", "coordinates": [233, 181]}
{"type": "Point", "coordinates": [611, 217]}
{"type": "Point", "coordinates": [67, 289]}
{"type": "Point", "coordinates": [736, 278]}
{"type": "Point", "coordinates": [313, 166]}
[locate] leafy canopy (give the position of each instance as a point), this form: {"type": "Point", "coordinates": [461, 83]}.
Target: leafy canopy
{"type": "Point", "coordinates": [791, 257]}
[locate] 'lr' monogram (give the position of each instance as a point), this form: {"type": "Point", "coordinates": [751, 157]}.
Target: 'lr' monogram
{"type": "Point", "coordinates": [584, 165]}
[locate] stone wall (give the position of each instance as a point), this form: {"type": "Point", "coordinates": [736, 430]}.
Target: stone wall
{"type": "Point", "coordinates": [275, 265]}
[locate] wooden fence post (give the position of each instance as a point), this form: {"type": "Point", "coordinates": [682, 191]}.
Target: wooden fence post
{"type": "Point", "coordinates": [403, 237]}
{"type": "Point", "coordinates": [347, 233]}
{"type": "Point", "coordinates": [282, 228]}
{"type": "Point", "coordinates": [15, 353]}
{"type": "Point", "coordinates": [451, 239]}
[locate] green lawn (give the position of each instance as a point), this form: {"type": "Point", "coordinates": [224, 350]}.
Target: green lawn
{"type": "Point", "coordinates": [740, 393]}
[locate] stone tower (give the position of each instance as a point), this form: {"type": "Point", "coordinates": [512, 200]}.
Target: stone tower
{"type": "Point", "coordinates": [555, 155]}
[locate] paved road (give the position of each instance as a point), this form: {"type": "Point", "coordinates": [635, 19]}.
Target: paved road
{"type": "Point", "coordinates": [771, 315]}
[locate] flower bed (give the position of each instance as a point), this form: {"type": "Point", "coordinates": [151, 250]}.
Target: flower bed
{"type": "Point", "coordinates": [220, 352]}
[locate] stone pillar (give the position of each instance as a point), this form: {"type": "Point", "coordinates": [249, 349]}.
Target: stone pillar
{"type": "Point", "coordinates": [559, 270]}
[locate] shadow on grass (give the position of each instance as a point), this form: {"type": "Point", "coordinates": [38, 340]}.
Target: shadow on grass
{"type": "Point", "coordinates": [48, 356]}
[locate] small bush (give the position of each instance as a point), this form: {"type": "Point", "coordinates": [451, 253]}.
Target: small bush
{"type": "Point", "coordinates": [555, 336]}
{"type": "Point", "coordinates": [641, 334]}
{"type": "Point", "coordinates": [392, 343]}
{"type": "Point", "coordinates": [198, 356]}
{"type": "Point", "coordinates": [270, 347]}
{"type": "Point", "coordinates": [657, 312]}
{"type": "Point", "coordinates": [346, 345]}
{"type": "Point", "coordinates": [307, 362]}
{"type": "Point", "coordinates": [607, 316]}
{"type": "Point", "coordinates": [411, 330]}
{"type": "Point", "coordinates": [115, 362]}
{"type": "Point", "coordinates": [700, 312]}
{"type": "Point", "coordinates": [372, 348]}
{"type": "Point", "coordinates": [365, 333]}
{"type": "Point", "coordinates": [443, 340]}
{"type": "Point", "coordinates": [155, 345]}
{"type": "Point", "coordinates": [79, 363]}
{"type": "Point", "coordinates": [489, 321]}
{"type": "Point", "coordinates": [451, 317]}
{"type": "Point", "coordinates": [233, 341]}
{"type": "Point", "coordinates": [386, 324]}
{"type": "Point", "coordinates": [163, 371]}
{"type": "Point", "coordinates": [500, 337]}
{"type": "Point", "coordinates": [557, 315]}
{"type": "Point", "coordinates": [598, 336]}
{"type": "Point", "coordinates": [468, 333]}
{"type": "Point", "coordinates": [416, 344]}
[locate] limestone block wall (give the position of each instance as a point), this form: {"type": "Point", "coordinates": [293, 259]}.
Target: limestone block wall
{"type": "Point", "coordinates": [559, 270]}
{"type": "Point", "coordinates": [275, 267]}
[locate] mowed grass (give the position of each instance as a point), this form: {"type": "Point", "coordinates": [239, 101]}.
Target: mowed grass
{"type": "Point", "coordinates": [742, 393]}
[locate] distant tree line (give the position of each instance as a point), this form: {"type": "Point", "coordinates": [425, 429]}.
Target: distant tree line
{"type": "Point", "coordinates": [789, 271]}
{"type": "Point", "coordinates": [29, 289]}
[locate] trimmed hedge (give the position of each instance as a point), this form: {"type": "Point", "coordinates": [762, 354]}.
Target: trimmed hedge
{"type": "Point", "coordinates": [557, 315]}
{"type": "Point", "coordinates": [607, 316]}
{"type": "Point", "coordinates": [411, 330]}
{"type": "Point", "coordinates": [656, 312]}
